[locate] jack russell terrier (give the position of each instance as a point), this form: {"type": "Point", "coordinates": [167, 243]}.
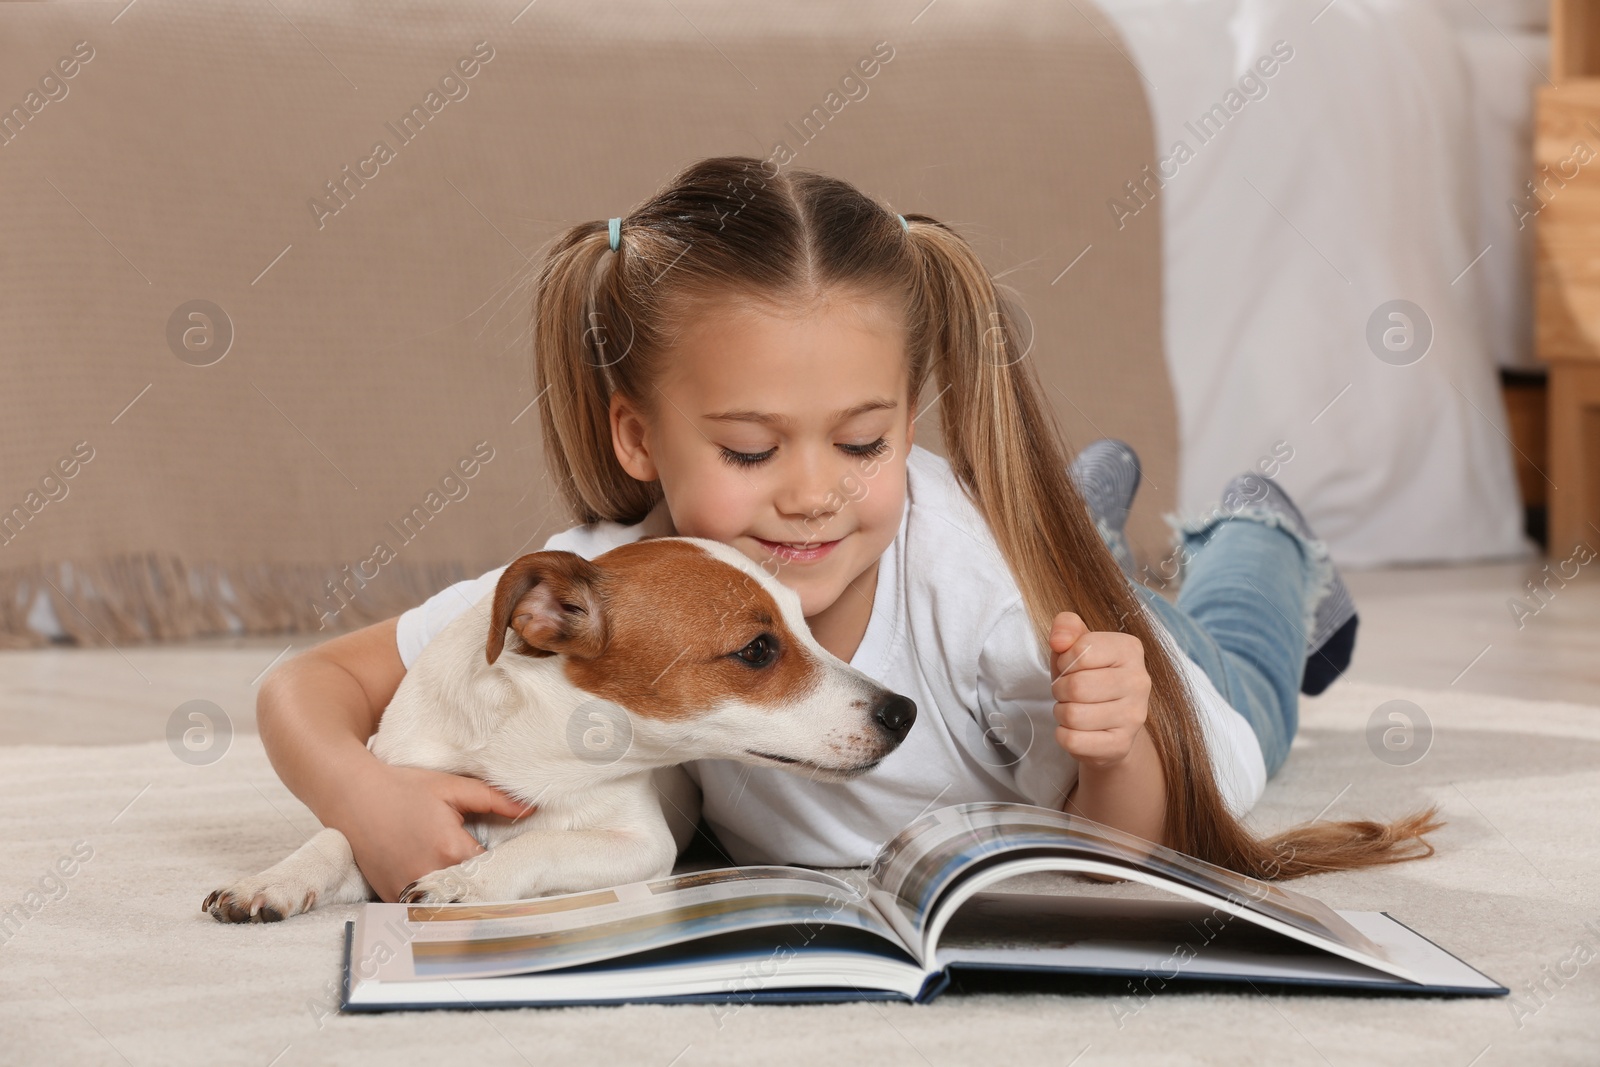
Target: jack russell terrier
{"type": "Point", "coordinates": [618, 669]}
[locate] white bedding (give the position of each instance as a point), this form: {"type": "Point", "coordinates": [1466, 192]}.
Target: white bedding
{"type": "Point", "coordinates": [1505, 66]}
{"type": "Point", "coordinates": [1356, 174]}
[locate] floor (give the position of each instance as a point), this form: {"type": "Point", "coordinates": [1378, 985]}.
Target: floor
{"type": "Point", "coordinates": [114, 964]}
{"type": "Point", "coordinates": [1444, 627]}
{"type": "Point", "coordinates": [1421, 627]}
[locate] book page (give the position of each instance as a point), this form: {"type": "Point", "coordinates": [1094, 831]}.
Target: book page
{"type": "Point", "coordinates": [550, 933]}
{"type": "Point", "coordinates": [915, 870]}
{"type": "Point", "coordinates": [1158, 939]}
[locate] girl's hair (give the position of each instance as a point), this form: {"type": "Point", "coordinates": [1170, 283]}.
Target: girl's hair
{"type": "Point", "coordinates": [736, 228]}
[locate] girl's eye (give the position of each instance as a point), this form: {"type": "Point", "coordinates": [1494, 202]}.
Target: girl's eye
{"type": "Point", "coordinates": [876, 448]}
{"type": "Point", "coordinates": [747, 459]}
{"type": "Point", "coordinates": [750, 459]}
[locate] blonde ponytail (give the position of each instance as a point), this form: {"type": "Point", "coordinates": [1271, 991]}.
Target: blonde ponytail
{"type": "Point", "coordinates": [573, 327]}
{"type": "Point", "coordinates": [1008, 455]}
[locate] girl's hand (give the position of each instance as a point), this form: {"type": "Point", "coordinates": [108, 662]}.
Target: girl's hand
{"type": "Point", "coordinates": [1102, 691]}
{"type": "Point", "coordinates": [405, 822]}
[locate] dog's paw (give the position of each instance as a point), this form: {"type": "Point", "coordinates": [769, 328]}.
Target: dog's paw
{"type": "Point", "coordinates": [441, 887]}
{"type": "Point", "coordinates": [255, 901]}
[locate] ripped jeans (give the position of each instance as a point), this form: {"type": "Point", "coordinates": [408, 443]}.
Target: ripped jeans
{"type": "Point", "coordinates": [1250, 588]}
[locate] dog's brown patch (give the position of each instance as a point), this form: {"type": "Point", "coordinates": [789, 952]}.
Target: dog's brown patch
{"type": "Point", "coordinates": [674, 613]}
{"type": "Point", "coordinates": [654, 626]}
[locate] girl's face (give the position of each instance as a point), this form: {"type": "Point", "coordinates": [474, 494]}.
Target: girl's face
{"type": "Point", "coordinates": [785, 436]}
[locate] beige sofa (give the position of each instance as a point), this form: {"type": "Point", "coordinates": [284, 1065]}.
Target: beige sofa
{"type": "Point", "coordinates": [244, 349]}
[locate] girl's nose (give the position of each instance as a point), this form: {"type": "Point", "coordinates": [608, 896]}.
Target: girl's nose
{"type": "Point", "coordinates": [810, 489]}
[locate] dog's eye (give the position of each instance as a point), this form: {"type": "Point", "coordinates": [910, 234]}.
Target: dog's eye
{"type": "Point", "coordinates": [760, 652]}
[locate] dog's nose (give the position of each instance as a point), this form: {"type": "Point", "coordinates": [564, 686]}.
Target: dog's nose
{"type": "Point", "coordinates": [896, 714]}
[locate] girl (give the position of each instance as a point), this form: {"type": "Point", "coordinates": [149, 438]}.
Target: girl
{"type": "Point", "coordinates": [740, 359]}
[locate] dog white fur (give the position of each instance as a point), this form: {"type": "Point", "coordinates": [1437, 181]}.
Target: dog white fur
{"type": "Point", "coordinates": [617, 670]}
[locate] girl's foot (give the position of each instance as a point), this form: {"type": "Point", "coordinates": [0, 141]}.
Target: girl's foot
{"type": "Point", "coordinates": [1107, 473]}
{"type": "Point", "coordinates": [1333, 635]}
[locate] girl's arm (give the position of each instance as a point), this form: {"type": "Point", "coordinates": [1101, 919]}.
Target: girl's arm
{"type": "Point", "coordinates": [1130, 795]}
{"type": "Point", "coordinates": [1102, 693]}
{"type": "Point", "coordinates": [315, 714]}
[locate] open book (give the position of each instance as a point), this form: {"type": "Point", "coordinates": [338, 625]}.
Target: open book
{"type": "Point", "coordinates": [925, 918]}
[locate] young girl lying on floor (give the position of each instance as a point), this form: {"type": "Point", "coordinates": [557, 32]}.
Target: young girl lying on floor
{"type": "Point", "coordinates": [740, 359]}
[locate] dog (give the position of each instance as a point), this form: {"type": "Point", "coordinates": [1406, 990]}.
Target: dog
{"type": "Point", "coordinates": [615, 671]}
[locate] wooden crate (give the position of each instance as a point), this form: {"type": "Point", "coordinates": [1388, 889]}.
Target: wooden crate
{"type": "Point", "coordinates": [1567, 264]}
{"type": "Point", "coordinates": [1566, 205]}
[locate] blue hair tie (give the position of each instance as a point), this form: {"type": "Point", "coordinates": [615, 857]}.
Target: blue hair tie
{"type": "Point", "coordinates": [615, 226]}
{"type": "Point", "coordinates": [903, 223]}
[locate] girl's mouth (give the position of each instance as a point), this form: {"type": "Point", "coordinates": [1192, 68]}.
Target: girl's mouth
{"type": "Point", "coordinates": [803, 552]}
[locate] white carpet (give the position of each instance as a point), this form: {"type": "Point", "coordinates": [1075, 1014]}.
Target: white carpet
{"type": "Point", "coordinates": [119, 966]}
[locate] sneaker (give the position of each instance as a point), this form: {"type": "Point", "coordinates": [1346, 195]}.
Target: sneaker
{"type": "Point", "coordinates": [1107, 475]}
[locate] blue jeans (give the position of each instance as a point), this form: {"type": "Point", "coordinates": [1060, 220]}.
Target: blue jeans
{"type": "Point", "coordinates": [1243, 612]}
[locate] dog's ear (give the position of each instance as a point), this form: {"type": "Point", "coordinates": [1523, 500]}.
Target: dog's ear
{"type": "Point", "coordinates": [554, 600]}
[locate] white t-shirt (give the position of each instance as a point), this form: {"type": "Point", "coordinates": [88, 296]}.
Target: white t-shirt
{"type": "Point", "coordinates": [949, 630]}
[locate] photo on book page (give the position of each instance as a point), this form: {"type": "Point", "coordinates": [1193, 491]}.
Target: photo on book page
{"type": "Point", "coordinates": [639, 918]}
{"type": "Point", "coordinates": [595, 898]}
